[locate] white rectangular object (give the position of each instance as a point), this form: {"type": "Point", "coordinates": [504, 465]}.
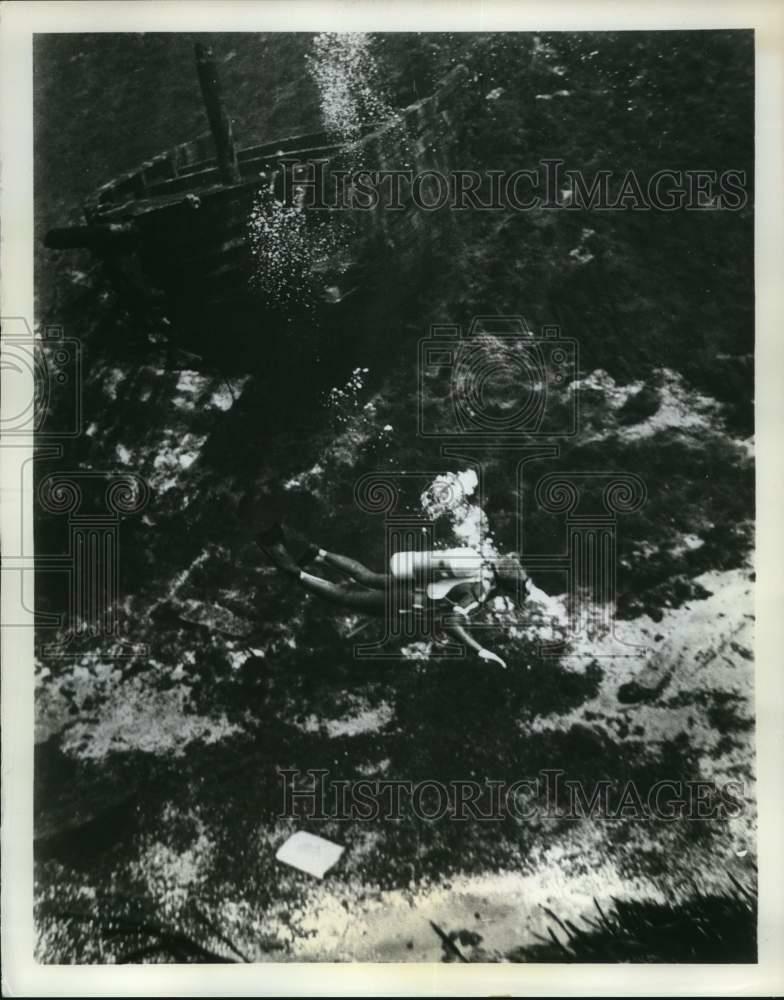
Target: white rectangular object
{"type": "Point", "coordinates": [309, 853]}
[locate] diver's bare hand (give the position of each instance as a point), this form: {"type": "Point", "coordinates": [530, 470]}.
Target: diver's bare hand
{"type": "Point", "coordinates": [485, 654]}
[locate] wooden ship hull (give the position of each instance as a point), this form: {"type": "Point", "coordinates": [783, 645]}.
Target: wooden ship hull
{"type": "Point", "coordinates": [181, 219]}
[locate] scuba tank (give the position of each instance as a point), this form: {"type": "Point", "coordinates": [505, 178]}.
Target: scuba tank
{"type": "Point", "coordinates": [441, 564]}
{"type": "Point", "coordinates": [434, 574]}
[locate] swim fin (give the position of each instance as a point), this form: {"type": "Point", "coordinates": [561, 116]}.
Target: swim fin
{"type": "Point", "coordinates": [272, 536]}
{"type": "Point", "coordinates": [272, 543]}
{"type": "Point", "coordinates": [309, 554]}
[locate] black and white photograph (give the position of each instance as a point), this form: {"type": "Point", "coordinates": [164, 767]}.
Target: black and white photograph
{"type": "Point", "coordinates": [393, 496]}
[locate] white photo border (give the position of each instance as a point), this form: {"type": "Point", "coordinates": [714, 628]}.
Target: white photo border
{"type": "Point", "coordinates": [22, 976]}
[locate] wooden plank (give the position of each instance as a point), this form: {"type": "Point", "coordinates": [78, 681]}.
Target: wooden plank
{"type": "Point", "coordinates": [220, 123]}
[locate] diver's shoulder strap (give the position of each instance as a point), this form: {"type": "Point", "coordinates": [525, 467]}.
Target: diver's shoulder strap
{"type": "Point", "coordinates": [441, 590]}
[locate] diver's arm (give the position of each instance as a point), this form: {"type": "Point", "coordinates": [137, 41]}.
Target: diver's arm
{"type": "Point", "coordinates": [454, 628]}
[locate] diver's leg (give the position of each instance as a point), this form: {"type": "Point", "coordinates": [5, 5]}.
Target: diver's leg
{"type": "Point", "coordinates": [357, 598]}
{"type": "Point", "coordinates": [355, 569]}
{"type": "Point", "coordinates": [277, 552]}
{"type": "Point", "coordinates": [280, 556]}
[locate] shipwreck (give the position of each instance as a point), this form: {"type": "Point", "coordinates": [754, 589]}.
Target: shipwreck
{"type": "Point", "coordinates": [181, 221]}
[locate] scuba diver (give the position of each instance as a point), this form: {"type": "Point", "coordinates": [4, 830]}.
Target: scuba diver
{"type": "Point", "coordinates": [450, 583]}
